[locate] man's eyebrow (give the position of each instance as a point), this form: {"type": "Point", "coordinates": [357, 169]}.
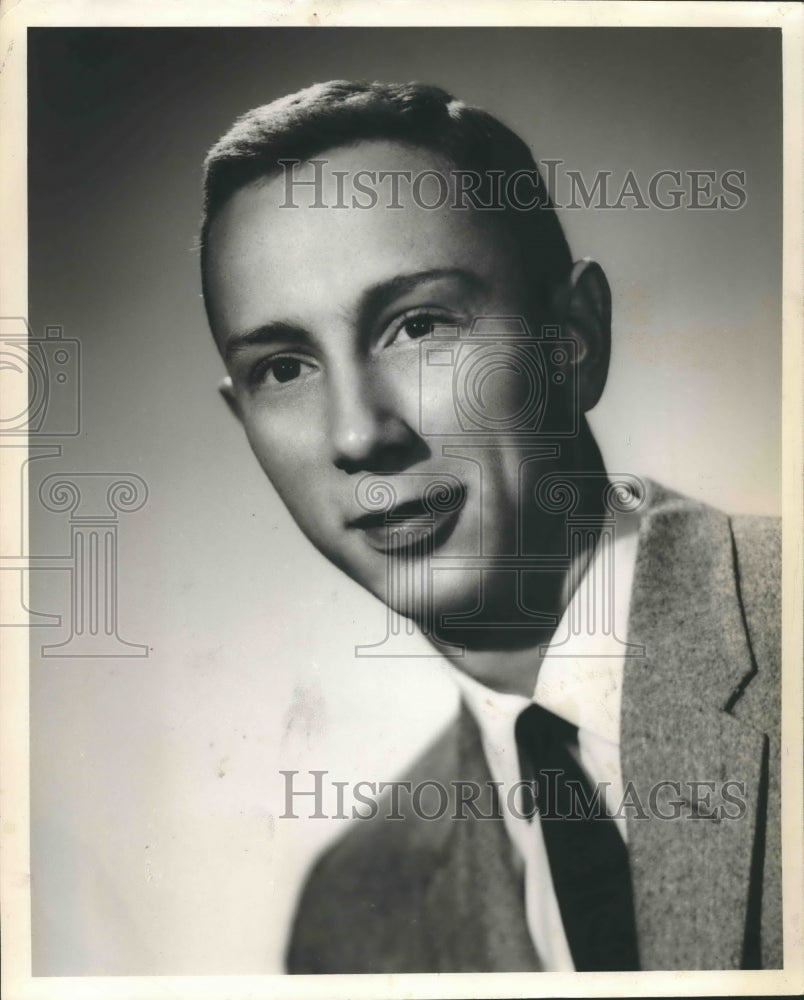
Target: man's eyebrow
{"type": "Point", "coordinates": [376, 298]}
{"type": "Point", "coordinates": [265, 335]}
{"type": "Point", "coordinates": [372, 302]}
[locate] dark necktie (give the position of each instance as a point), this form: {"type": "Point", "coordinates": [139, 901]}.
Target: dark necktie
{"type": "Point", "coordinates": [588, 859]}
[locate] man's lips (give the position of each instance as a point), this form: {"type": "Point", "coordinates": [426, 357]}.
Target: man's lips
{"type": "Point", "coordinates": [408, 525]}
{"type": "Point", "coordinates": [401, 513]}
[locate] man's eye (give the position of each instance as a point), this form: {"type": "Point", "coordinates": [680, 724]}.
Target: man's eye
{"type": "Point", "coordinates": [275, 371]}
{"type": "Point", "coordinates": [419, 326]}
{"type": "Point", "coordinates": [285, 369]}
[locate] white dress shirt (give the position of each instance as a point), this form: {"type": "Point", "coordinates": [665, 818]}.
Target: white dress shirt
{"type": "Point", "coordinates": [579, 679]}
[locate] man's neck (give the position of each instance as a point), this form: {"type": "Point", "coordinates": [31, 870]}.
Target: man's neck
{"type": "Point", "coordinates": [508, 660]}
{"type": "Point", "coordinates": [504, 652]}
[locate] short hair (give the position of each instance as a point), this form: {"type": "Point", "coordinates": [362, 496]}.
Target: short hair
{"type": "Point", "coordinates": [342, 113]}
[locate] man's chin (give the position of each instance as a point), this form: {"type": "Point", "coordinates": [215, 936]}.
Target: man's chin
{"type": "Point", "coordinates": [413, 591]}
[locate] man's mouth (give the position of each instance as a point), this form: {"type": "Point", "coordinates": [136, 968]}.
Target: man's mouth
{"type": "Point", "coordinates": [410, 527]}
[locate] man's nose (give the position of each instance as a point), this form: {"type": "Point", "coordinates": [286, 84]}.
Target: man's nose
{"type": "Point", "coordinates": [367, 431]}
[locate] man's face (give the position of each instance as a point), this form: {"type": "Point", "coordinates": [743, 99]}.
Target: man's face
{"type": "Point", "coordinates": [319, 314]}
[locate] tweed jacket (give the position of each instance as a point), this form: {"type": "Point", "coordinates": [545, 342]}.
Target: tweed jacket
{"type": "Point", "coordinates": [702, 705]}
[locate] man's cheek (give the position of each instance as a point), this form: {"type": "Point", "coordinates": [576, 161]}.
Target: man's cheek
{"type": "Point", "coordinates": [285, 469]}
{"type": "Point", "coordinates": [303, 491]}
{"type": "Point", "coordinates": [282, 451]}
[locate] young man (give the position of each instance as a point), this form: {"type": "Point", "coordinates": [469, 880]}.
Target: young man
{"type": "Point", "coordinates": [411, 352]}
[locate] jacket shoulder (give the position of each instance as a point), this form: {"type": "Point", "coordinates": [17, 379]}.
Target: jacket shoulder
{"type": "Point", "coordinates": [362, 905]}
{"type": "Point", "coordinates": [680, 531]}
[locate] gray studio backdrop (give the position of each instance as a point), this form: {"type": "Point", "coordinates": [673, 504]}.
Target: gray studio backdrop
{"type": "Point", "coordinates": [157, 841]}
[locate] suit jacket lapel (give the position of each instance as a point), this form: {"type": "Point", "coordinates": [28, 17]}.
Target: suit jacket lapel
{"type": "Point", "coordinates": [691, 873]}
{"type": "Point", "coordinates": [478, 890]}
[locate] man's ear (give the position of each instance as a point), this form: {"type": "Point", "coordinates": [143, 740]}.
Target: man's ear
{"type": "Point", "coordinates": [583, 305]}
{"type": "Point", "coordinates": [226, 390]}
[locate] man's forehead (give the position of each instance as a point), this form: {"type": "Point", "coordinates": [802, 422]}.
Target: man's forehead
{"type": "Point", "coordinates": [284, 252]}
{"type": "Point", "coordinates": [376, 178]}
{"type": "Point", "coordinates": [344, 174]}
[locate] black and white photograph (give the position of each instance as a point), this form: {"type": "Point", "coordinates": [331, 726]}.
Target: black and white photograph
{"type": "Point", "coordinates": [401, 465]}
